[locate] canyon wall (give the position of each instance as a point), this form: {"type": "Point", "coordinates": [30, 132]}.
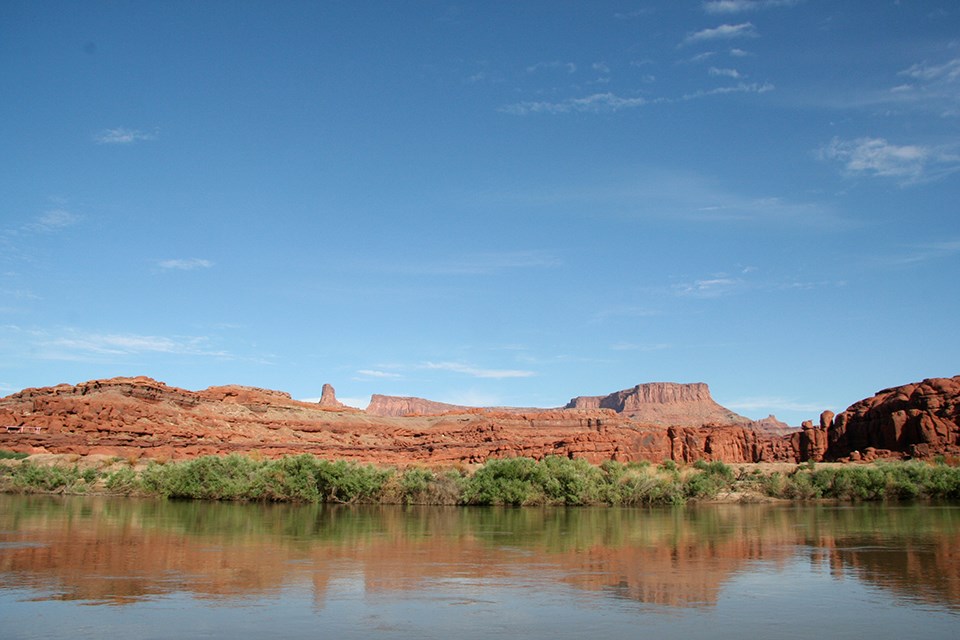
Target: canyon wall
{"type": "Point", "coordinates": [140, 417]}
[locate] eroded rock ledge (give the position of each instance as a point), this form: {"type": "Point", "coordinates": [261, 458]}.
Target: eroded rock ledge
{"type": "Point", "coordinates": [135, 417]}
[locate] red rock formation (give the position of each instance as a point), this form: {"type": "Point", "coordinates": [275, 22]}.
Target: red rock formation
{"type": "Point", "coordinates": [397, 406]}
{"type": "Point", "coordinates": [664, 403]}
{"type": "Point", "coordinates": [770, 425]}
{"type": "Point", "coordinates": [133, 417]}
{"type": "Point", "coordinates": [328, 398]}
{"type": "Point", "coordinates": [921, 420]}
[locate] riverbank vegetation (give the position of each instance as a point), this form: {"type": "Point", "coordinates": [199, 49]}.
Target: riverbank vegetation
{"type": "Point", "coordinates": [509, 481]}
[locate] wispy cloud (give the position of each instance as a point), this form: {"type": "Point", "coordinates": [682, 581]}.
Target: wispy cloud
{"type": "Point", "coordinates": [53, 220]}
{"type": "Point", "coordinates": [929, 251]}
{"type": "Point", "coordinates": [677, 195]}
{"type": "Point", "coordinates": [726, 73]}
{"type": "Point", "coordinates": [742, 6]}
{"type": "Point", "coordinates": [623, 311]}
{"type": "Point", "coordinates": [74, 345]}
{"type": "Point", "coordinates": [740, 87]}
{"type": "Point", "coordinates": [484, 263]}
{"type": "Point", "coordinates": [472, 398]}
{"type": "Point", "coordinates": [117, 344]}
{"type": "Point", "coordinates": [932, 86]}
{"type": "Point", "coordinates": [122, 135]}
{"type": "Point", "coordinates": [772, 404]}
{"type": "Point", "coordinates": [908, 164]}
{"type": "Point", "coordinates": [596, 103]}
{"type": "Point", "coordinates": [717, 286]}
{"type": "Point", "coordinates": [723, 32]}
{"type": "Point", "coordinates": [185, 264]}
{"type": "Point", "coordinates": [375, 373]}
{"type": "Point", "coordinates": [642, 347]}
{"type": "Point", "coordinates": [477, 372]}
{"type": "Point", "coordinates": [632, 15]}
{"type": "Point", "coordinates": [948, 71]}
{"type": "Point", "coordinates": [556, 65]}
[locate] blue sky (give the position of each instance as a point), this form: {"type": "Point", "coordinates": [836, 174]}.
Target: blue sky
{"type": "Point", "coordinates": [483, 202]}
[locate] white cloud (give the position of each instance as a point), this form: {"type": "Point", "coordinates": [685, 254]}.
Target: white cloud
{"type": "Point", "coordinates": [484, 263]}
{"type": "Point", "coordinates": [596, 103]}
{"type": "Point", "coordinates": [876, 157]}
{"type": "Point", "coordinates": [477, 372]}
{"type": "Point", "coordinates": [373, 373]}
{"type": "Point", "coordinates": [54, 220]}
{"type": "Point", "coordinates": [772, 404]}
{"type": "Point", "coordinates": [128, 344]}
{"type": "Point", "coordinates": [185, 264]}
{"type": "Point", "coordinates": [556, 65]}
{"type": "Point", "coordinates": [723, 32]}
{"type": "Point", "coordinates": [631, 346]}
{"type": "Point", "coordinates": [630, 15]}
{"type": "Point", "coordinates": [715, 287]}
{"type": "Point", "coordinates": [949, 71]}
{"type": "Point", "coordinates": [674, 195]}
{"type": "Point", "coordinates": [727, 73]}
{"type": "Point", "coordinates": [740, 6]}
{"type": "Point", "coordinates": [472, 398]}
{"type": "Point", "coordinates": [930, 251]}
{"type": "Point", "coordinates": [740, 87]}
{"type": "Point", "coordinates": [121, 135]}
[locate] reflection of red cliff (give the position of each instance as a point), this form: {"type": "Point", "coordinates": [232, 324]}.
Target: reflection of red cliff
{"type": "Point", "coordinates": [122, 552]}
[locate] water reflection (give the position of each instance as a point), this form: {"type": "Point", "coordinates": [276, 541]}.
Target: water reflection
{"type": "Point", "coordinates": [117, 552]}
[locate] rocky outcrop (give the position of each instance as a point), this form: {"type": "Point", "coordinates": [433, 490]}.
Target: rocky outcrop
{"type": "Point", "coordinates": [664, 403]}
{"type": "Point", "coordinates": [772, 426]}
{"type": "Point", "coordinates": [920, 420]}
{"type": "Point", "coordinates": [398, 406]}
{"type": "Point", "coordinates": [134, 417]}
{"type": "Point", "coordinates": [328, 398]}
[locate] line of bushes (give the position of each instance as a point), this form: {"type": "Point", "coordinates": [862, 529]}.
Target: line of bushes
{"type": "Point", "coordinates": [879, 481]}
{"type": "Point", "coordinates": [509, 481]}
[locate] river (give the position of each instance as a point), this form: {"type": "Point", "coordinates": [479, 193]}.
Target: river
{"type": "Point", "coordinates": [95, 567]}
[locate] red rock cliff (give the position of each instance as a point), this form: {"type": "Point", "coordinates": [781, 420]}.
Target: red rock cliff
{"type": "Point", "coordinates": [921, 419]}
{"type": "Point", "coordinates": [664, 403]}
{"type": "Point", "coordinates": [135, 417]}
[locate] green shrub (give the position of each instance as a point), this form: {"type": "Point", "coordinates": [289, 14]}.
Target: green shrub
{"type": "Point", "coordinates": [415, 484]}
{"type": "Point", "coordinates": [349, 482]}
{"type": "Point", "coordinates": [504, 481]}
{"type": "Point", "coordinates": [32, 477]}
{"type": "Point", "coordinates": [124, 480]}
{"type": "Point", "coordinates": [6, 454]}
{"type": "Point", "coordinates": [668, 465]}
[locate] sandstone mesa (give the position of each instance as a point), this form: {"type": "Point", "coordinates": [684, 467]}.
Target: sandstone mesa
{"type": "Point", "coordinates": [141, 417]}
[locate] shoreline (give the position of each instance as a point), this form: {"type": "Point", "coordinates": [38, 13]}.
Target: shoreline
{"type": "Point", "coordinates": [507, 481]}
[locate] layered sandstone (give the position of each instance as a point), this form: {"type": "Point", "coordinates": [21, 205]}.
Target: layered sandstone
{"type": "Point", "coordinates": [399, 406]}
{"type": "Point", "coordinates": [664, 403]}
{"type": "Point", "coordinates": [133, 417]}
{"type": "Point", "coordinates": [920, 419]}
